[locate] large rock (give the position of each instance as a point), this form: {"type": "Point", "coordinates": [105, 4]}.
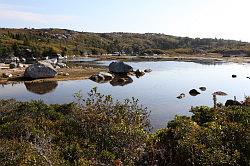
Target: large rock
{"type": "Point", "coordinates": [40, 70]}
{"type": "Point", "coordinates": [120, 68]}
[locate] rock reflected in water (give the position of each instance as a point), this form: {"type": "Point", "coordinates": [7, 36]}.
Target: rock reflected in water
{"type": "Point", "coordinates": [121, 81]}
{"type": "Point", "coordinates": [41, 87]}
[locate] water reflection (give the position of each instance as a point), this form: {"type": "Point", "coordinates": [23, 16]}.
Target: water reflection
{"type": "Point", "coordinates": [118, 80]}
{"type": "Point", "coordinates": [121, 81]}
{"type": "Point", "coordinates": [83, 59]}
{"type": "Point", "coordinates": [156, 90]}
{"type": "Point", "coordinates": [41, 87]}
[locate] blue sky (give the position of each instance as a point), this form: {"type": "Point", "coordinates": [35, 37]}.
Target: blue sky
{"type": "Point", "coordinates": [228, 19]}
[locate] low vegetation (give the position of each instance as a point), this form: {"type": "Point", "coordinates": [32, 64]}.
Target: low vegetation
{"type": "Point", "coordinates": [218, 136]}
{"type": "Point", "coordinates": [100, 131]}
{"type": "Point", "coordinates": [44, 42]}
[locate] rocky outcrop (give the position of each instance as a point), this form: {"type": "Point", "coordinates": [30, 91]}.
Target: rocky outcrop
{"type": "Point", "coordinates": [40, 70]}
{"type": "Point", "coordinates": [101, 77]}
{"type": "Point", "coordinates": [120, 68]}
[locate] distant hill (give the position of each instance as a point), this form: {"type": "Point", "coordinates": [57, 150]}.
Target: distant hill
{"type": "Point", "coordinates": [42, 42]}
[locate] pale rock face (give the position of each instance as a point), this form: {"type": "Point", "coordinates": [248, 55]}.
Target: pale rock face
{"type": "Point", "coordinates": [40, 70]}
{"type": "Point", "coordinates": [120, 68]}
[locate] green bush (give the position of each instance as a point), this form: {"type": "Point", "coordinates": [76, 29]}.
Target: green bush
{"type": "Point", "coordinates": [96, 131]}
{"type": "Point", "coordinates": [100, 131]}
{"type": "Point", "coordinates": [210, 137]}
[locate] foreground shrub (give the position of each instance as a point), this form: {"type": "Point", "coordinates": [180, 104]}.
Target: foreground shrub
{"type": "Point", "coordinates": [93, 131]}
{"type": "Point", "coordinates": [100, 131]}
{"type": "Point", "coordinates": [210, 137]}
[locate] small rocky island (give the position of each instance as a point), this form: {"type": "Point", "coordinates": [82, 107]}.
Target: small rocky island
{"type": "Point", "coordinates": [119, 74]}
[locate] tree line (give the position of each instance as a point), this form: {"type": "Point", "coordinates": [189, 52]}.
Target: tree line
{"type": "Point", "coordinates": [39, 41]}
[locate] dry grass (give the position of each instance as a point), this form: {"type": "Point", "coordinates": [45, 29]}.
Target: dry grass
{"type": "Point", "coordinates": [75, 73]}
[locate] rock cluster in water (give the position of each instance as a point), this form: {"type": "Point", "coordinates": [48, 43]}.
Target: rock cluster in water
{"type": "Point", "coordinates": [101, 77]}
{"type": "Point", "coordinates": [118, 74]}
{"type": "Point", "coordinates": [192, 92]}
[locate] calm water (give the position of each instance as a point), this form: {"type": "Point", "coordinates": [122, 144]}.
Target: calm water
{"type": "Point", "coordinates": [156, 90]}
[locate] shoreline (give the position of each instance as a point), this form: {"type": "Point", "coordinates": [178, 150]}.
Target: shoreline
{"type": "Point", "coordinates": [183, 58]}
{"type": "Point", "coordinates": [80, 72]}
{"type": "Point", "coordinates": [73, 74]}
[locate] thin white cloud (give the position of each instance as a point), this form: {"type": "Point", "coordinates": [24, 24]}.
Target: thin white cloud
{"type": "Point", "coordinates": [7, 13]}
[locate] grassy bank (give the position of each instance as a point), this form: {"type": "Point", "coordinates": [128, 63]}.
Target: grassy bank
{"type": "Point", "coordinates": [100, 131]}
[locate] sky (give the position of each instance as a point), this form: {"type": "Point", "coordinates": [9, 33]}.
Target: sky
{"type": "Point", "coordinates": [227, 19]}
